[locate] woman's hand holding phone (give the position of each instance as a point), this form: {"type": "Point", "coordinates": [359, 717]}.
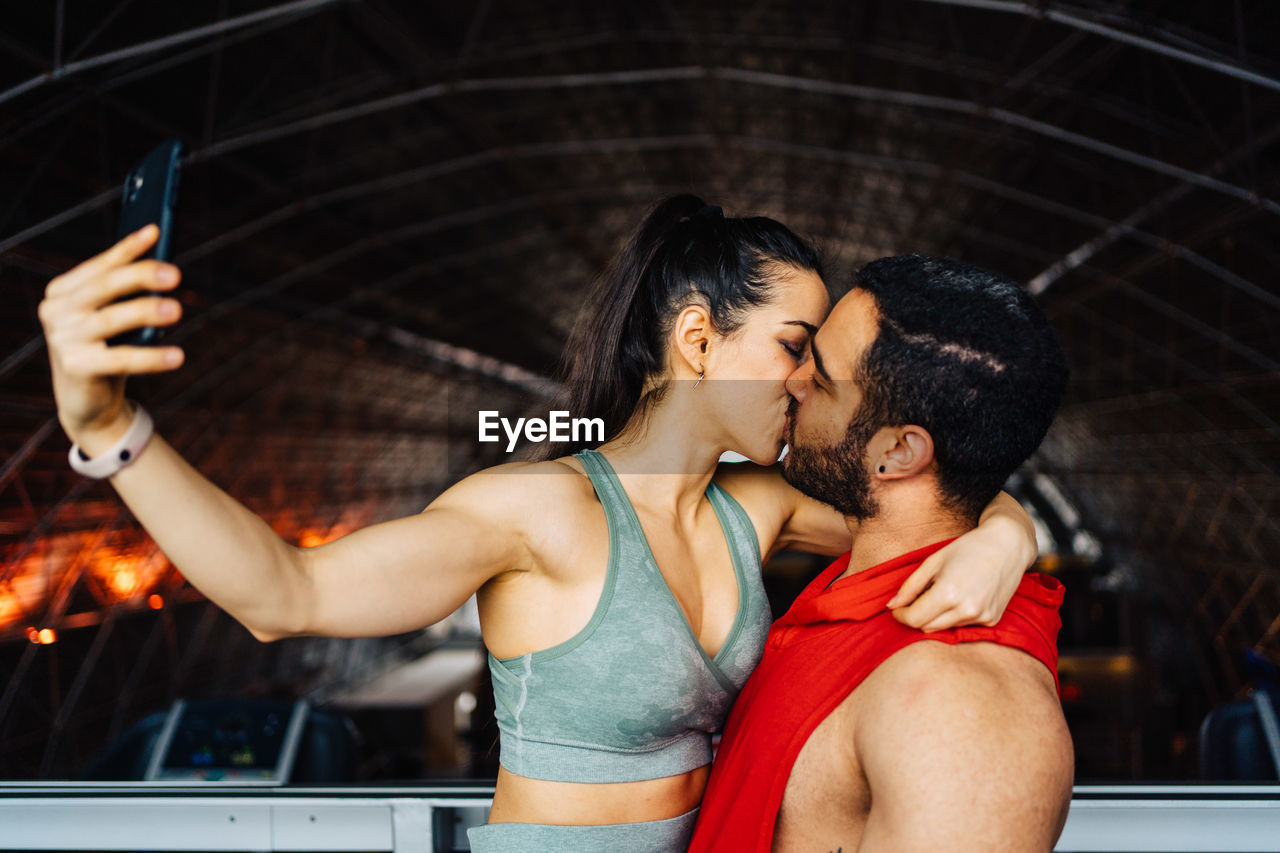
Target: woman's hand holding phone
{"type": "Point", "coordinates": [80, 312]}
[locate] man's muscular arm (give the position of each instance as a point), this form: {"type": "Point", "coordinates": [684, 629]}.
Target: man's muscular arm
{"type": "Point", "coordinates": [964, 748]}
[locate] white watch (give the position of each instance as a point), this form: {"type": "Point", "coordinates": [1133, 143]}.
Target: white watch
{"type": "Point", "coordinates": [121, 454]}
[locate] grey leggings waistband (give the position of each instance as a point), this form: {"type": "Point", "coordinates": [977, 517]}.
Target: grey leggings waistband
{"type": "Point", "coordinates": [651, 836]}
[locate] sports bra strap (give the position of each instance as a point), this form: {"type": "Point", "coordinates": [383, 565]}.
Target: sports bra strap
{"type": "Point", "coordinates": [740, 531]}
{"type": "Point", "coordinates": [617, 507]}
{"type": "Point", "coordinates": [623, 521]}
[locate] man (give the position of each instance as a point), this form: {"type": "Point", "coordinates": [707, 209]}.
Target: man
{"type": "Point", "coordinates": [930, 382]}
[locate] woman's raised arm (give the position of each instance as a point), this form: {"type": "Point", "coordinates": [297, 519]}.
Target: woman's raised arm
{"type": "Point", "coordinates": [971, 580]}
{"type": "Point", "coordinates": [385, 579]}
{"type": "Point", "coordinates": [388, 578]}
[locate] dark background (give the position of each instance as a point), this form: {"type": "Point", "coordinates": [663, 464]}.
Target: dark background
{"type": "Point", "coordinates": [391, 213]}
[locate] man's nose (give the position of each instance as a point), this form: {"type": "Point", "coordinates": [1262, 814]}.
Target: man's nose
{"type": "Point", "coordinates": [798, 382]}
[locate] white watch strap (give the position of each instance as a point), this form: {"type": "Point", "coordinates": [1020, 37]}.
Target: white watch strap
{"type": "Point", "coordinates": [122, 453]}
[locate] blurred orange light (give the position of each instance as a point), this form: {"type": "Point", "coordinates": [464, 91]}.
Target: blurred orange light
{"type": "Point", "coordinates": [9, 607]}
{"type": "Point", "coordinates": [125, 573]}
{"type": "Point", "coordinates": [310, 538]}
{"type": "Point", "coordinates": [155, 601]}
{"type": "Point", "coordinates": [33, 635]}
{"type": "Point", "coordinates": [48, 636]}
{"type": "Point", "coordinates": [123, 582]}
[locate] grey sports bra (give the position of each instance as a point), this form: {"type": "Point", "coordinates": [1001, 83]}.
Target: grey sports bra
{"type": "Point", "coordinates": [633, 695]}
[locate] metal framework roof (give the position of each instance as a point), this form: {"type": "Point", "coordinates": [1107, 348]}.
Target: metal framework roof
{"type": "Point", "coordinates": [388, 203]}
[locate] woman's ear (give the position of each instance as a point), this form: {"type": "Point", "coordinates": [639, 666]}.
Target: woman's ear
{"type": "Point", "coordinates": [692, 333]}
{"type": "Point", "coordinates": [911, 453]}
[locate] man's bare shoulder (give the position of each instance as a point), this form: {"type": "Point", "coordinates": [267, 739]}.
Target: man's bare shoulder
{"type": "Point", "coordinates": [946, 672]}
{"type": "Point", "coordinates": [979, 687]}
{"type": "Point", "coordinates": [977, 730]}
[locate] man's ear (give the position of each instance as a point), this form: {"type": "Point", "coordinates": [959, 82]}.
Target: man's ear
{"type": "Point", "coordinates": [692, 334]}
{"type": "Point", "coordinates": [910, 453]}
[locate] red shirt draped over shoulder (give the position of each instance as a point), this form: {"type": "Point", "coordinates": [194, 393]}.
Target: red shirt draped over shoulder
{"type": "Point", "coordinates": [832, 638]}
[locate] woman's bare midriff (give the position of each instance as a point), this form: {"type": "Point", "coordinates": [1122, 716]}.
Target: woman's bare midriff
{"type": "Point", "coordinates": [519, 799]}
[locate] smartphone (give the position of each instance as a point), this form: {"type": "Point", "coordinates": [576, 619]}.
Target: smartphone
{"type": "Point", "coordinates": [150, 196]}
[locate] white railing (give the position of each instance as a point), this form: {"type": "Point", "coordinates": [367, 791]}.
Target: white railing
{"type": "Point", "coordinates": [151, 816]}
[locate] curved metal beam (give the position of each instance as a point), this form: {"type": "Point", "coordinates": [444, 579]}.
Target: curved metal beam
{"type": "Point", "coordinates": [435, 170]}
{"type": "Point", "coordinates": [299, 7]}
{"type": "Point", "coordinates": [1040, 128]}
{"type": "Point", "coordinates": [1045, 279]}
{"type": "Point", "coordinates": [924, 169]}
{"type": "Point", "coordinates": [87, 206]}
{"type": "Point", "coordinates": [867, 93]}
{"type": "Point", "coordinates": [97, 89]}
{"type": "Point", "coordinates": [786, 81]}
{"type": "Point", "coordinates": [1043, 10]}
{"type": "Point", "coordinates": [437, 90]}
{"type": "Point", "coordinates": [895, 53]}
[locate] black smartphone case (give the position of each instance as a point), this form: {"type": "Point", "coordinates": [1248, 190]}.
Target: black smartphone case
{"type": "Point", "coordinates": [150, 196]}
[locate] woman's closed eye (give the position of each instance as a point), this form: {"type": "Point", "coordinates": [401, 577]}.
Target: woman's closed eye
{"type": "Point", "coordinates": [795, 350]}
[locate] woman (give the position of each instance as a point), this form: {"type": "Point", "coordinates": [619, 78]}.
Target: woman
{"type": "Point", "coordinates": [619, 588]}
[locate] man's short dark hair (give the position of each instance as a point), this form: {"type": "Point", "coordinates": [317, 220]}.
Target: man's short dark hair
{"type": "Point", "coordinates": [966, 354]}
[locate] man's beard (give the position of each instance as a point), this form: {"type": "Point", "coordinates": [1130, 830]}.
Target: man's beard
{"type": "Point", "coordinates": [836, 474]}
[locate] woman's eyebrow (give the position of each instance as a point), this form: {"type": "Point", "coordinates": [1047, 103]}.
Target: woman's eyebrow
{"type": "Point", "coordinates": [808, 327]}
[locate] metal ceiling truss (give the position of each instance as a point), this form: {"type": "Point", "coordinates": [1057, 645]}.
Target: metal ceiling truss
{"type": "Point", "coordinates": [870, 168]}
{"type": "Point", "coordinates": [910, 100]}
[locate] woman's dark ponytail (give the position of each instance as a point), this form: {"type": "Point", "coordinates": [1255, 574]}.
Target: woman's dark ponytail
{"type": "Point", "coordinates": [683, 251]}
